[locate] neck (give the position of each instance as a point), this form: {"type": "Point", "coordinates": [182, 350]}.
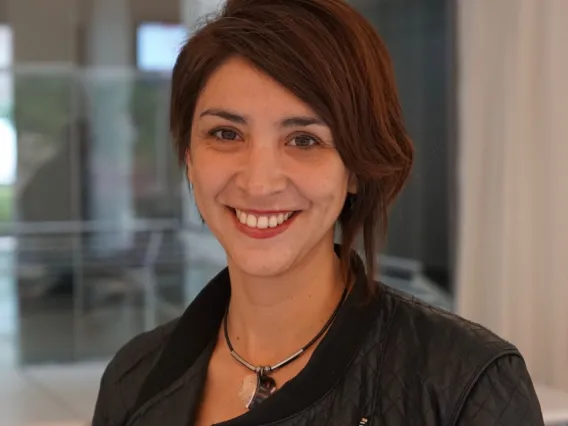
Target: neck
{"type": "Point", "coordinates": [271, 318]}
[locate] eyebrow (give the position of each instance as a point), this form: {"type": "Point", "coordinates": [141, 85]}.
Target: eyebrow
{"type": "Point", "coordinates": [229, 116]}
{"type": "Point", "coordinates": [296, 121]}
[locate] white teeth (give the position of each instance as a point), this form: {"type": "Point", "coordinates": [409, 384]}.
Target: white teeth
{"type": "Point", "coordinates": [262, 222]}
{"type": "Point", "coordinates": [251, 221]}
{"type": "Point", "coordinates": [242, 216]}
{"type": "Point", "coordinates": [273, 222]}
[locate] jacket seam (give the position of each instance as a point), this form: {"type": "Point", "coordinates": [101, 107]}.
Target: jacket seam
{"type": "Point", "coordinates": [148, 350]}
{"type": "Point", "coordinates": [140, 412]}
{"type": "Point", "coordinates": [135, 363]}
{"type": "Point", "coordinates": [416, 302]}
{"type": "Point", "coordinates": [176, 385]}
{"type": "Point", "coordinates": [382, 354]}
{"type": "Point", "coordinates": [467, 389]}
{"type": "Point", "coordinates": [412, 300]}
{"type": "Point", "coordinates": [119, 392]}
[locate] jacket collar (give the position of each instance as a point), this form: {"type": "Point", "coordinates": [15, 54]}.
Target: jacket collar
{"type": "Point", "coordinates": [199, 326]}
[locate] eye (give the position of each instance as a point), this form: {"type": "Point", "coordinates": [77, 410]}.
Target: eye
{"type": "Point", "coordinates": [225, 134]}
{"type": "Point", "coordinates": [304, 141]}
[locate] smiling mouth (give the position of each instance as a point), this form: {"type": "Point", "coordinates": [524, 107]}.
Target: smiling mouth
{"type": "Point", "coordinates": [260, 221]}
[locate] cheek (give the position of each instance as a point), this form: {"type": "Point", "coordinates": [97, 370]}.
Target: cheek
{"type": "Point", "coordinates": [325, 185]}
{"type": "Point", "coordinates": [205, 182]}
{"type": "Point", "coordinates": [201, 171]}
{"type": "Point", "coordinates": [210, 175]}
{"type": "Point", "coordinates": [205, 179]}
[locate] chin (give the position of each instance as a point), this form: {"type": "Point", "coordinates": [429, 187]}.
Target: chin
{"type": "Point", "coordinates": [262, 263]}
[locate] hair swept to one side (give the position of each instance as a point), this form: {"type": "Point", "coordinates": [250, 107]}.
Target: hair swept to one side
{"type": "Point", "coordinates": [330, 57]}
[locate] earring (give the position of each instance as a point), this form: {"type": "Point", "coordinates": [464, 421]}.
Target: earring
{"type": "Point", "coordinates": [350, 201]}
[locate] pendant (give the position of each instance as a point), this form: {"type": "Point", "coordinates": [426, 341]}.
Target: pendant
{"type": "Point", "coordinates": [255, 389]}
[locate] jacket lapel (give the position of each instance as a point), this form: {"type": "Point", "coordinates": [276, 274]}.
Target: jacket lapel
{"type": "Point", "coordinates": [196, 329]}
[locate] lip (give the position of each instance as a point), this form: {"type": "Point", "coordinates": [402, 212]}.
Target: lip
{"type": "Point", "coordinates": [261, 212]}
{"type": "Point", "coordinates": [261, 234]}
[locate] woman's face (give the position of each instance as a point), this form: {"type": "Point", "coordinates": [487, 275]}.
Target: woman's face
{"type": "Point", "coordinates": [266, 176]}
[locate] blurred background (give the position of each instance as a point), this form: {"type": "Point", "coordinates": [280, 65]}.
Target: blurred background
{"type": "Point", "coordinates": [99, 239]}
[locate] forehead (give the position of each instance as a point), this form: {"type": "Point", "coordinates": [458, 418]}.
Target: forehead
{"type": "Point", "coordinates": [238, 85]}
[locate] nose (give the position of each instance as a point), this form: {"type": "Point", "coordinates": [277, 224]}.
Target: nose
{"type": "Point", "coordinates": [262, 172]}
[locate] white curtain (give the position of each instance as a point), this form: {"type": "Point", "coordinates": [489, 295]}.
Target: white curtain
{"type": "Point", "coordinates": [513, 176]}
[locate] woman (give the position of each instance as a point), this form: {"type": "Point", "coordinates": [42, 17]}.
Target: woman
{"type": "Point", "coordinates": [286, 116]}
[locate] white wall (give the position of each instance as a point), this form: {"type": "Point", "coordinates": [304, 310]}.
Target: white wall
{"type": "Point", "coordinates": [513, 236]}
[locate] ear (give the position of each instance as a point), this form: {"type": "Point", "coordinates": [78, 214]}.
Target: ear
{"type": "Point", "coordinates": [352, 184]}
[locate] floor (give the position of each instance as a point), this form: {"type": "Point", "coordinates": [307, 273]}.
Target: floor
{"type": "Point", "coordinates": [49, 395]}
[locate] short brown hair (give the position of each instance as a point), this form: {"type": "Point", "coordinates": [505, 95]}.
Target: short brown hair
{"type": "Point", "coordinates": [331, 58]}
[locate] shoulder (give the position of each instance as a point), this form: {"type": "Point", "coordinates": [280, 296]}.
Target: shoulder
{"type": "Point", "coordinates": [446, 333]}
{"type": "Point", "coordinates": [126, 372]}
{"type": "Point", "coordinates": [429, 351]}
{"type": "Point", "coordinates": [141, 350]}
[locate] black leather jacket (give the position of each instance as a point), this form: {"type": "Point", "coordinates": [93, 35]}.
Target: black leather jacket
{"type": "Point", "coordinates": [394, 361]}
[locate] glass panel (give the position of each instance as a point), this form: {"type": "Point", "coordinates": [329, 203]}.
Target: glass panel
{"type": "Point", "coordinates": [98, 226]}
{"type": "Point", "coordinates": [44, 195]}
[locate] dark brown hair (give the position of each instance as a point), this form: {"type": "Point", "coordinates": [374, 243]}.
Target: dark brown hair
{"type": "Point", "coordinates": [331, 58]}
